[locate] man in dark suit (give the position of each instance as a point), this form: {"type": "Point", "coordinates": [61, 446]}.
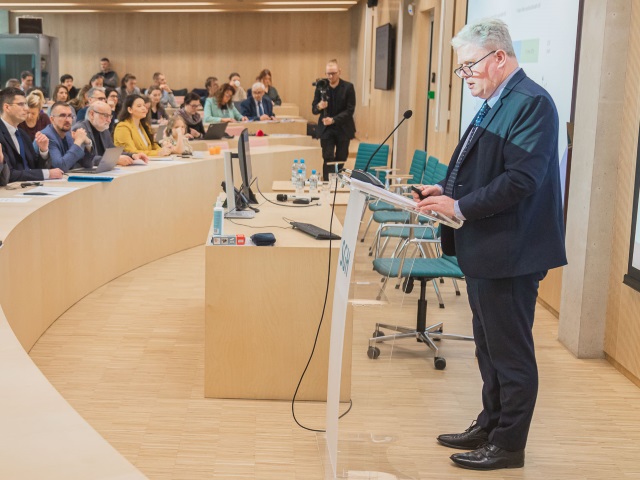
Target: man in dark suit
{"type": "Point", "coordinates": [336, 105]}
{"type": "Point", "coordinates": [504, 181]}
{"type": "Point", "coordinates": [257, 106]}
{"type": "Point", "coordinates": [24, 163]}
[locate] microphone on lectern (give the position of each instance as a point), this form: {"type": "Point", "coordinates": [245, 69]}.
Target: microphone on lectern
{"type": "Point", "coordinates": [367, 177]}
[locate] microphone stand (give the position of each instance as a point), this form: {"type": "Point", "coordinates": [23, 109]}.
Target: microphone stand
{"type": "Point", "coordinates": [367, 177]}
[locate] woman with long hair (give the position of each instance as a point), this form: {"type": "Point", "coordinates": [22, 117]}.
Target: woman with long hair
{"type": "Point", "coordinates": [221, 107]}
{"type": "Point", "coordinates": [133, 132]}
{"type": "Point", "coordinates": [128, 86]}
{"type": "Point", "coordinates": [36, 118]}
{"type": "Point", "coordinates": [157, 112]}
{"type": "Point", "coordinates": [81, 99]}
{"type": "Point", "coordinates": [264, 77]}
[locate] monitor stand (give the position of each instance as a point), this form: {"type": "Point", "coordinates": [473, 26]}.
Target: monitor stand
{"type": "Point", "coordinates": [232, 193]}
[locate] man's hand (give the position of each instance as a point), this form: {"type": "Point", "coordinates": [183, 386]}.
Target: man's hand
{"type": "Point", "coordinates": [322, 105]}
{"type": "Point", "coordinates": [194, 133]}
{"type": "Point", "coordinates": [1, 155]}
{"type": "Point", "coordinates": [166, 88]}
{"type": "Point", "coordinates": [79, 136]}
{"type": "Point", "coordinates": [427, 191]}
{"type": "Point", "coordinates": [328, 121]}
{"type": "Point", "coordinates": [55, 173]}
{"type": "Point", "coordinates": [264, 116]}
{"type": "Point", "coordinates": [141, 156]}
{"type": "Point", "coordinates": [43, 143]}
{"type": "Point", "coordinates": [439, 203]}
{"type": "Point", "coordinates": [124, 160]}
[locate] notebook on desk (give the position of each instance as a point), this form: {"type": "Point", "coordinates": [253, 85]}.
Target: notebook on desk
{"type": "Point", "coordinates": [107, 162]}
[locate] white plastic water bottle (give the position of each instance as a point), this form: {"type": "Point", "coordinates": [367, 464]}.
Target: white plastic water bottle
{"type": "Point", "coordinates": [294, 171]}
{"type": "Point", "coordinates": [300, 182]}
{"type": "Point", "coordinates": [313, 183]}
{"type": "Point", "coordinates": [303, 166]}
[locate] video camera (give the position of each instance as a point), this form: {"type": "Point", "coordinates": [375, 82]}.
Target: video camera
{"type": "Point", "coordinates": [322, 84]}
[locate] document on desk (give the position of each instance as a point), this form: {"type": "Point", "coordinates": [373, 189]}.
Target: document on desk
{"type": "Point", "coordinates": [15, 200]}
{"type": "Point", "coordinates": [139, 162]}
{"type": "Point", "coordinates": [50, 191]}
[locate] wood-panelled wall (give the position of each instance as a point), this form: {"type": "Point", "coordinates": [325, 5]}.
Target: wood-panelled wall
{"type": "Point", "coordinates": [189, 47]}
{"type": "Point", "coordinates": [622, 335]}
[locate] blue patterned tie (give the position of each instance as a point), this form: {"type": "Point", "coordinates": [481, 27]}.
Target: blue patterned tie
{"type": "Point", "coordinates": [260, 111]}
{"type": "Point", "coordinates": [23, 154]}
{"type": "Point", "coordinates": [448, 189]}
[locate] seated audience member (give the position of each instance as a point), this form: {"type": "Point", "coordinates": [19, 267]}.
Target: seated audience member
{"type": "Point", "coordinates": [67, 149]}
{"type": "Point", "coordinates": [67, 81]}
{"type": "Point", "coordinates": [132, 131]}
{"type": "Point", "coordinates": [110, 77]}
{"type": "Point", "coordinates": [12, 83]}
{"type": "Point", "coordinates": [221, 107]}
{"type": "Point", "coordinates": [81, 100]}
{"type": "Point", "coordinates": [25, 164]}
{"type": "Point", "coordinates": [60, 94]}
{"type": "Point", "coordinates": [211, 86]}
{"type": "Point", "coordinates": [26, 79]}
{"type": "Point", "coordinates": [128, 86]}
{"type": "Point", "coordinates": [157, 112]}
{"type": "Point", "coordinates": [4, 168]}
{"type": "Point", "coordinates": [240, 94]}
{"type": "Point", "coordinates": [36, 119]}
{"type": "Point", "coordinates": [97, 80]}
{"type": "Point", "coordinates": [175, 137]}
{"type": "Point", "coordinates": [258, 106]}
{"type": "Point", "coordinates": [189, 112]}
{"type": "Point", "coordinates": [97, 126]}
{"type": "Point", "coordinates": [113, 100]}
{"type": "Point", "coordinates": [95, 94]}
{"type": "Point", "coordinates": [160, 81]}
{"type": "Point", "coordinates": [264, 77]}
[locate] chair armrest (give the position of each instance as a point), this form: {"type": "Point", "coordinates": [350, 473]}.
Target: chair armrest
{"type": "Point", "coordinates": [384, 169]}
{"type": "Point", "coordinates": [405, 176]}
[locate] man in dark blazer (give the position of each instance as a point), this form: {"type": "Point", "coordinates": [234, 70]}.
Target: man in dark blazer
{"type": "Point", "coordinates": [97, 127]}
{"type": "Point", "coordinates": [24, 163]}
{"type": "Point", "coordinates": [504, 181]}
{"type": "Point", "coordinates": [336, 105]}
{"type": "Point", "coordinates": [257, 106]}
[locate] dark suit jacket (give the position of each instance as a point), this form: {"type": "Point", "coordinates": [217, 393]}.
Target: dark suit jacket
{"type": "Point", "coordinates": [342, 105]}
{"type": "Point", "coordinates": [508, 188]}
{"type": "Point", "coordinates": [107, 141]}
{"type": "Point", "coordinates": [249, 110]}
{"type": "Point", "coordinates": [75, 156]}
{"type": "Point", "coordinates": [12, 157]}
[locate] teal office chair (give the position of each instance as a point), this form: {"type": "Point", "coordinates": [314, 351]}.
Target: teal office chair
{"type": "Point", "coordinates": [414, 177]}
{"type": "Point", "coordinates": [422, 270]}
{"type": "Point", "coordinates": [365, 150]}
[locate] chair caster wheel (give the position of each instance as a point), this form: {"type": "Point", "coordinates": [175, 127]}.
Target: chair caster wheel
{"type": "Point", "coordinates": [378, 333]}
{"type": "Point", "coordinates": [457, 294]}
{"type": "Point", "coordinates": [442, 305]}
{"type": "Point", "coordinates": [439, 362]}
{"type": "Point", "coordinates": [374, 352]}
{"type": "Point", "coordinates": [407, 285]}
{"type": "Point", "coordinates": [442, 280]}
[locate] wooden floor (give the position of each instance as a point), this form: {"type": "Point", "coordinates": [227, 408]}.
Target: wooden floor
{"type": "Point", "coordinates": [129, 358]}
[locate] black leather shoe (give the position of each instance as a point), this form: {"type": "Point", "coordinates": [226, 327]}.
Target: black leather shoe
{"type": "Point", "coordinates": [472, 438]}
{"type": "Point", "coordinates": [489, 457]}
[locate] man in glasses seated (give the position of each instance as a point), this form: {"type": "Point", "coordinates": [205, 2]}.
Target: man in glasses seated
{"type": "Point", "coordinates": [96, 125]}
{"type": "Point", "coordinates": [25, 162]}
{"type": "Point", "coordinates": [95, 94]}
{"type": "Point", "coordinates": [67, 149]}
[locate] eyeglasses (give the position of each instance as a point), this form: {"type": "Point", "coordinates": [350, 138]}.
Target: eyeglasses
{"type": "Point", "coordinates": [102, 99]}
{"type": "Point", "coordinates": [106, 116]}
{"type": "Point", "coordinates": [194, 105]}
{"type": "Point", "coordinates": [331, 74]}
{"type": "Point", "coordinates": [465, 70]}
{"type": "Point", "coordinates": [21, 104]}
{"type": "Point", "coordinates": [64, 116]}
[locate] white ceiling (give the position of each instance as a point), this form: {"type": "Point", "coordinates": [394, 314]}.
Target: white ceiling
{"type": "Point", "coordinates": [154, 6]}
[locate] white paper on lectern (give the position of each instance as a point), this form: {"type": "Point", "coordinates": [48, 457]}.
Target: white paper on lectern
{"type": "Point", "coordinates": [404, 202]}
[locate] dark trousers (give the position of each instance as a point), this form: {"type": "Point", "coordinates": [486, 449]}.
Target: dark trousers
{"type": "Point", "coordinates": [335, 148]}
{"type": "Point", "coordinates": [503, 311]}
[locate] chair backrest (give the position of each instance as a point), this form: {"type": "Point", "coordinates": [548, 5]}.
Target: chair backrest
{"type": "Point", "coordinates": [418, 165]}
{"type": "Point", "coordinates": [429, 171]}
{"type": "Point", "coordinates": [365, 150]}
{"type": "Point", "coordinates": [440, 173]}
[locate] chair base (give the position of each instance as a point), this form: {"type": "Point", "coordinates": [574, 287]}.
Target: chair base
{"type": "Point", "coordinates": [428, 336]}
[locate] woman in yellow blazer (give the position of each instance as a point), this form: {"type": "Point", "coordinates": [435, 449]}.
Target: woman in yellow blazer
{"type": "Point", "coordinates": [133, 132]}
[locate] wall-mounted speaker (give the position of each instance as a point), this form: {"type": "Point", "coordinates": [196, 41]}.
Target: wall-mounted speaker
{"type": "Point", "coordinates": [372, 3]}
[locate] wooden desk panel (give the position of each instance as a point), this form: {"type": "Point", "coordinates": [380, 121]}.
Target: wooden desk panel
{"type": "Point", "coordinates": [263, 305]}
{"type": "Point", "coordinates": [297, 126]}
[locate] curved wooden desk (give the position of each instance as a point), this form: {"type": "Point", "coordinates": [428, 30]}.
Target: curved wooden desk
{"type": "Point", "coordinates": [55, 251]}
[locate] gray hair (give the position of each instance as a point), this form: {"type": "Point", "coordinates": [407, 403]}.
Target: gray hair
{"type": "Point", "coordinates": [489, 33]}
{"type": "Point", "coordinates": [258, 85]}
{"type": "Point", "coordinates": [93, 90]}
{"type": "Point", "coordinates": [93, 107]}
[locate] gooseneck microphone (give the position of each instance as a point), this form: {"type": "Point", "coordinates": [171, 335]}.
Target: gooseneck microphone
{"type": "Point", "coordinates": [367, 177]}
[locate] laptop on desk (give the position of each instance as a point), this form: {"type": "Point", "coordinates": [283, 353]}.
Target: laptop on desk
{"type": "Point", "coordinates": [107, 162]}
{"type": "Point", "coordinates": [216, 131]}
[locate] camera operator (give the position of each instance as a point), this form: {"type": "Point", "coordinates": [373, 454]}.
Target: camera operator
{"type": "Point", "coordinates": [335, 102]}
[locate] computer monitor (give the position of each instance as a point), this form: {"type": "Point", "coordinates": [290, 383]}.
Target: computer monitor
{"type": "Point", "coordinates": [244, 159]}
